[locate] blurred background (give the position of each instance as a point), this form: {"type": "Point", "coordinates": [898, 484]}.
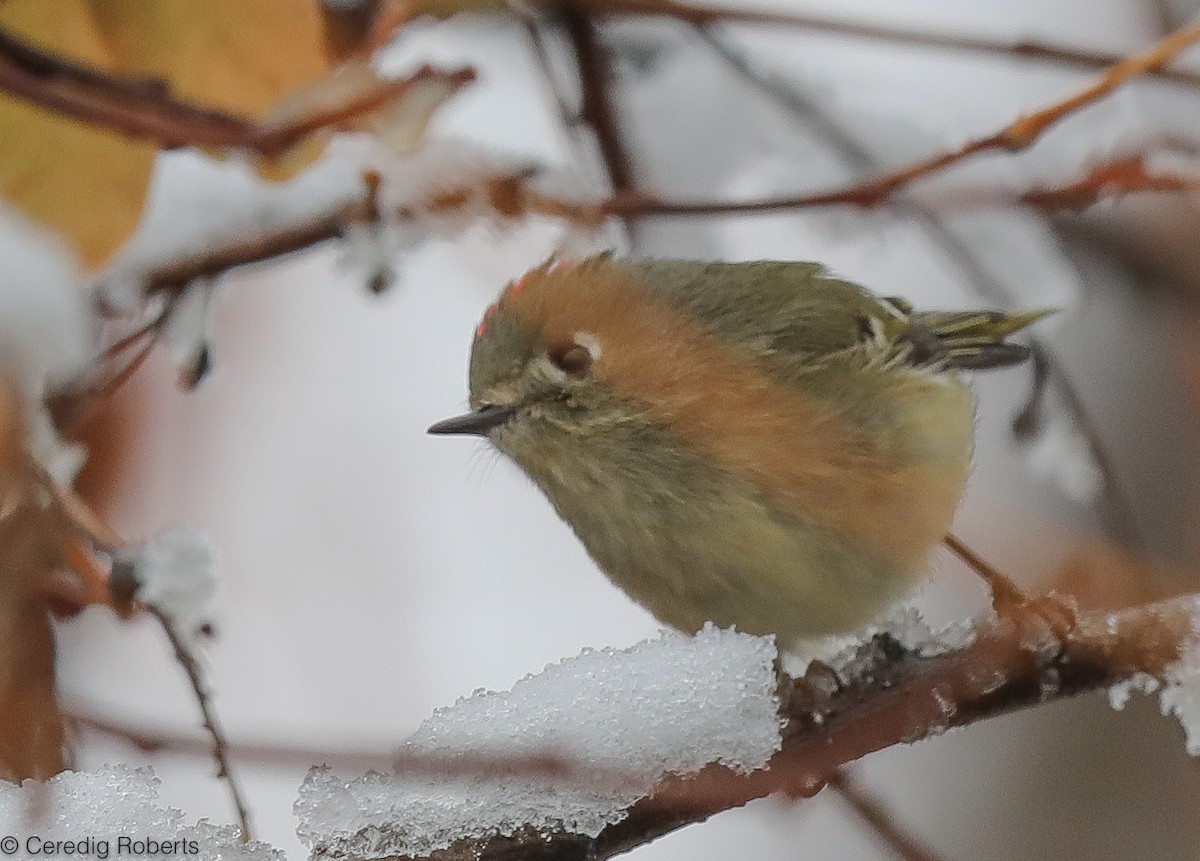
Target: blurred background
{"type": "Point", "coordinates": [371, 573]}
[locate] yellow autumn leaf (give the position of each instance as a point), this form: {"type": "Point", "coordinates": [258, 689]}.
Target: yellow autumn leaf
{"type": "Point", "coordinates": [238, 56]}
{"type": "Point", "coordinates": [82, 182]}
{"type": "Point", "coordinates": [89, 184]}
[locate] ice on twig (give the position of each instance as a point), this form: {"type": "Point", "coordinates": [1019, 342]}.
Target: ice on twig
{"type": "Point", "coordinates": [175, 573]}
{"type": "Point", "coordinates": [97, 810]}
{"type": "Point", "coordinates": [619, 721]}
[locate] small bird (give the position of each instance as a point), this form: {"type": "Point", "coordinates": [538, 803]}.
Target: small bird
{"type": "Point", "coordinates": [756, 444]}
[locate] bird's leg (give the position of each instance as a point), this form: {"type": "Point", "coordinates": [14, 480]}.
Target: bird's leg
{"type": "Point", "coordinates": [1009, 600]}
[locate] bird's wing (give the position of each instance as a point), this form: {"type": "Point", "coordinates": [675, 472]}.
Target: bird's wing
{"type": "Point", "coordinates": [797, 314]}
{"type": "Point", "coordinates": [787, 309]}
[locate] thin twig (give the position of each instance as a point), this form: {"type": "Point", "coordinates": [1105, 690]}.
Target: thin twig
{"type": "Point", "coordinates": [705, 15]}
{"type": "Point", "coordinates": [156, 739]}
{"type": "Point", "coordinates": [220, 748]}
{"type": "Point", "coordinates": [597, 109]}
{"type": "Point", "coordinates": [904, 845]}
{"type": "Point", "coordinates": [1013, 137]}
{"type": "Point", "coordinates": [1107, 180]}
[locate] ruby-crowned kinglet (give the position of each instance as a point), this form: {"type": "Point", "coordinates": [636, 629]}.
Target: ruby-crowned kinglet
{"type": "Point", "coordinates": [755, 444]}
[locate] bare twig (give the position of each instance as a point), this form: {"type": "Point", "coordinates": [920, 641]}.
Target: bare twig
{"type": "Point", "coordinates": [141, 109]}
{"type": "Point", "coordinates": [154, 739]}
{"type": "Point", "coordinates": [1110, 179]}
{"type": "Point", "coordinates": [880, 819]}
{"type": "Point", "coordinates": [220, 748]}
{"type": "Point", "coordinates": [1014, 137]}
{"type": "Point", "coordinates": [705, 15]}
{"type": "Point", "coordinates": [597, 108]}
{"type": "Point", "coordinates": [508, 195]}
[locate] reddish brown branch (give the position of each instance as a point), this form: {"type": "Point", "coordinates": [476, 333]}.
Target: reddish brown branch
{"type": "Point", "coordinates": [703, 15]}
{"type": "Point", "coordinates": [507, 195]}
{"type": "Point", "coordinates": [141, 109]}
{"type": "Point", "coordinates": [1014, 137]}
{"type": "Point", "coordinates": [1015, 663]}
{"type": "Point", "coordinates": [1111, 179]}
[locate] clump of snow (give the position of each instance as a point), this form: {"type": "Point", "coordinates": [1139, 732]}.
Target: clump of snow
{"type": "Point", "coordinates": [197, 203]}
{"type": "Point", "coordinates": [113, 804]}
{"type": "Point", "coordinates": [623, 720]}
{"type": "Point", "coordinates": [440, 188]}
{"type": "Point", "coordinates": [1180, 693]}
{"type": "Point", "coordinates": [1119, 693]}
{"type": "Point", "coordinates": [175, 572]}
{"type": "Point", "coordinates": [47, 332]}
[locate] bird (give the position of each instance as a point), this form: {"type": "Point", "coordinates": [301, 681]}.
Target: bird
{"type": "Point", "coordinates": [758, 444]}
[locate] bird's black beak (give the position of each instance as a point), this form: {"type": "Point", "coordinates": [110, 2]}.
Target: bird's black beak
{"type": "Point", "coordinates": [478, 423]}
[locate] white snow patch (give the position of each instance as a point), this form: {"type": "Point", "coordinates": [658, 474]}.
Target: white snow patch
{"type": "Point", "coordinates": [666, 706]}
{"type": "Point", "coordinates": [47, 331]}
{"type": "Point", "coordinates": [1141, 683]}
{"type": "Point", "coordinates": [175, 572]}
{"type": "Point", "coordinates": [1180, 694]}
{"type": "Point", "coordinates": [96, 809]}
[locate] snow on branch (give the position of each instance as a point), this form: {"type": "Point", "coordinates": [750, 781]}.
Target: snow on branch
{"type": "Point", "coordinates": [143, 108]}
{"type": "Point", "coordinates": [611, 750]}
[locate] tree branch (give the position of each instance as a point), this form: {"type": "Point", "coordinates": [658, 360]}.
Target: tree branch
{"type": "Point", "coordinates": [220, 748]}
{"type": "Point", "coordinates": [139, 108]}
{"type": "Point", "coordinates": [597, 109]}
{"type": "Point", "coordinates": [1013, 137]}
{"type": "Point", "coordinates": [704, 15]}
{"type": "Point", "coordinates": [1014, 663]}
{"type": "Point", "coordinates": [1110, 179]}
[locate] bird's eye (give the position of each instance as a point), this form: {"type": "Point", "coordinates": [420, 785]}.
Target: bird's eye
{"type": "Point", "coordinates": [574, 361]}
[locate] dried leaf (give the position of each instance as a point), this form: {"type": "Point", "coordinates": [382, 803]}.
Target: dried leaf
{"type": "Point", "coordinates": [32, 728]}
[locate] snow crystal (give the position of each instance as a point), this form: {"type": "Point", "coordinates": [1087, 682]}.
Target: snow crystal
{"type": "Point", "coordinates": [623, 719]}
{"type": "Point", "coordinates": [175, 573]}
{"type": "Point", "coordinates": [114, 803]}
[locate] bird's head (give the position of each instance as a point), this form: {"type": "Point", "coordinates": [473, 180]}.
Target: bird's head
{"type": "Point", "coordinates": [550, 361]}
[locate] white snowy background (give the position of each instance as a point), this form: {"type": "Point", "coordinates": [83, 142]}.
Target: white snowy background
{"type": "Point", "coordinates": [370, 574]}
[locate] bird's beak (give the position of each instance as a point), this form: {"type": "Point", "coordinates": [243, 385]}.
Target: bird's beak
{"type": "Point", "coordinates": [477, 423]}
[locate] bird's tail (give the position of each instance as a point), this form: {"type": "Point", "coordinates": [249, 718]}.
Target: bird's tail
{"type": "Point", "coordinates": [969, 340]}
